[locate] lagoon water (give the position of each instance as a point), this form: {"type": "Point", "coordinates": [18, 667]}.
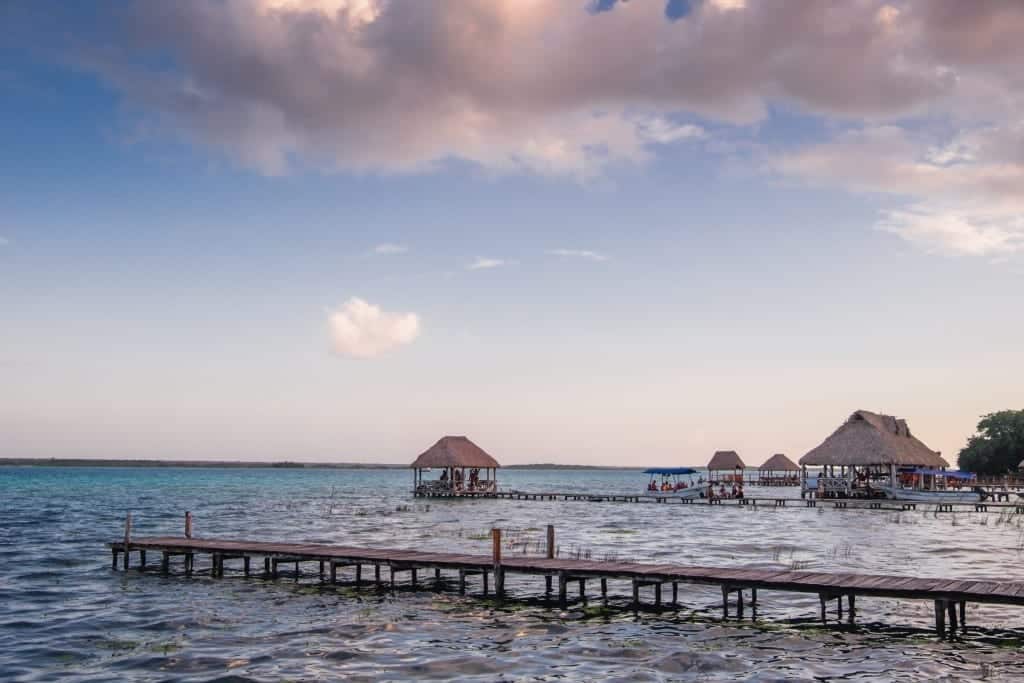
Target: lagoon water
{"type": "Point", "coordinates": [64, 615]}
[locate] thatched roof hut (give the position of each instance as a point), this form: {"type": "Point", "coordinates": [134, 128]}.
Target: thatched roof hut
{"type": "Point", "coordinates": [779, 463]}
{"type": "Point", "coordinates": [725, 460]}
{"type": "Point", "coordinates": [868, 438]}
{"type": "Point", "coordinates": [454, 451]}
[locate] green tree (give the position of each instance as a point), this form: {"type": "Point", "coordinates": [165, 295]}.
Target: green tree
{"type": "Point", "coordinates": [998, 447]}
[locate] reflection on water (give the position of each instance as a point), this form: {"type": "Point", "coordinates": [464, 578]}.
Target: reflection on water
{"type": "Point", "coordinates": [66, 615]}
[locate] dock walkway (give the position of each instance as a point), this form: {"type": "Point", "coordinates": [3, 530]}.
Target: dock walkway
{"type": "Point", "coordinates": [947, 594]}
{"type": "Point", "coordinates": [1013, 507]}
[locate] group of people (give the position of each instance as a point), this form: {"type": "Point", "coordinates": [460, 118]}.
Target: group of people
{"type": "Point", "coordinates": [667, 486]}
{"type": "Point", "coordinates": [737, 491]}
{"type": "Point", "coordinates": [474, 479]}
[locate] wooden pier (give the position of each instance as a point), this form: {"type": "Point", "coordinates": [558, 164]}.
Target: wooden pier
{"type": "Point", "coordinates": [752, 501]}
{"type": "Point", "coordinates": [950, 596]}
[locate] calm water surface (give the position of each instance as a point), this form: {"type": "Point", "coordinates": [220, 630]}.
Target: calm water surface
{"type": "Point", "coordinates": [64, 615]}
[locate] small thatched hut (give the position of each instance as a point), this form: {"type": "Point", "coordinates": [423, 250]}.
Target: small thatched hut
{"type": "Point", "coordinates": [726, 466]}
{"type": "Point", "coordinates": [453, 456]}
{"type": "Point", "coordinates": [779, 470]}
{"type": "Point", "coordinates": [869, 447]}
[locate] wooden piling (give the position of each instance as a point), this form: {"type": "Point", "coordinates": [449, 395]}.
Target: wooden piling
{"type": "Point", "coordinates": [499, 574]}
{"type": "Point", "coordinates": [562, 596]}
{"type": "Point", "coordinates": [462, 582]}
{"type": "Point", "coordinates": [940, 618]}
{"type": "Point", "coordinates": [127, 539]}
{"type": "Point", "coordinates": [188, 525]}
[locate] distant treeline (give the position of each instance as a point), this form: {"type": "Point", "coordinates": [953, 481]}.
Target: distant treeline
{"type": "Point", "coordinates": [86, 462]}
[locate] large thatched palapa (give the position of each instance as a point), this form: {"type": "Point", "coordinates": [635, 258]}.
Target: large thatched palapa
{"type": "Point", "coordinates": [869, 439]}
{"type": "Point", "coordinates": [779, 463]}
{"type": "Point", "coordinates": [453, 455]}
{"type": "Point", "coordinates": [725, 460]}
{"type": "Point", "coordinates": [778, 470]}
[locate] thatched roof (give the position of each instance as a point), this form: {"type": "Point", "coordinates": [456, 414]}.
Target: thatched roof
{"type": "Point", "coordinates": [725, 460]}
{"type": "Point", "coordinates": [871, 439]}
{"type": "Point", "coordinates": [779, 463]}
{"type": "Point", "coordinates": [454, 451]}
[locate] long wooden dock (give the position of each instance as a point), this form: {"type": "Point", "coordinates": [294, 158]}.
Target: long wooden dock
{"type": "Point", "coordinates": [1013, 507]}
{"type": "Point", "coordinates": [950, 596]}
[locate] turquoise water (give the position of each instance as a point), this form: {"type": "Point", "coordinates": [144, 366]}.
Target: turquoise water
{"type": "Point", "coordinates": [65, 615]}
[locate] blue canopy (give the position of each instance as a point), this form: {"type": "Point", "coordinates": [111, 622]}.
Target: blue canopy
{"type": "Point", "coordinates": [671, 470]}
{"type": "Point", "coordinates": [952, 474]}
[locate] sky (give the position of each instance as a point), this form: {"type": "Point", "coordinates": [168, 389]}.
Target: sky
{"type": "Point", "coordinates": [604, 232]}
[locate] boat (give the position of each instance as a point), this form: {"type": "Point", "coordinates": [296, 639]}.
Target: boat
{"type": "Point", "coordinates": [931, 485]}
{"type": "Point", "coordinates": [685, 483]}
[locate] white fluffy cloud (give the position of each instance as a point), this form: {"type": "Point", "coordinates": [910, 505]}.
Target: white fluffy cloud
{"type": "Point", "coordinates": [578, 253]}
{"type": "Point", "coordinates": [388, 248]}
{"type": "Point", "coordinates": [965, 196]}
{"type": "Point", "coordinates": [482, 263]}
{"type": "Point", "coordinates": [361, 330]}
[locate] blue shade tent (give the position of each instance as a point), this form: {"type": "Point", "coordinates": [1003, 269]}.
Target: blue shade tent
{"type": "Point", "coordinates": [952, 474]}
{"type": "Point", "coordinates": [671, 470]}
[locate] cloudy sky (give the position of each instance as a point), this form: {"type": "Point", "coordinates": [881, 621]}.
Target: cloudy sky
{"type": "Point", "coordinates": [579, 231]}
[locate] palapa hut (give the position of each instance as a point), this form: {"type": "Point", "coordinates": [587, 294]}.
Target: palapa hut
{"type": "Point", "coordinates": [867, 451]}
{"type": "Point", "coordinates": [726, 466]}
{"type": "Point", "coordinates": [465, 469]}
{"type": "Point", "coordinates": [779, 470]}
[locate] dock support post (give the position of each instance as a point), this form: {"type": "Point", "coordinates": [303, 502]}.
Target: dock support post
{"type": "Point", "coordinates": [188, 525]}
{"type": "Point", "coordinates": [142, 559]}
{"type": "Point", "coordinates": [245, 563]}
{"type": "Point", "coordinates": [499, 573]}
{"type": "Point", "coordinates": [359, 575]}
{"type": "Point", "coordinates": [412, 575]}
{"type": "Point", "coordinates": [113, 558]}
{"type": "Point", "coordinates": [823, 598]}
{"type": "Point", "coordinates": [127, 539]}
{"type": "Point", "coordinates": [334, 573]}
{"type": "Point", "coordinates": [266, 567]}
{"type": "Point", "coordinates": [437, 578]}
{"type": "Point", "coordinates": [853, 608]}
{"type": "Point", "coordinates": [190, 564]}
{"type": "Point", "coordinates": [273, 568]}
{"type": "Point", "coordinates": [486, 587]}
{"type": "Point", "coordinates": [839, 607]}
{"type": "Point", "coordinates": [583, 591]}
{"type": "Point", "coordinates": [963, 615]}
{"type": "Point", "coordinates": [636, 594]}
{"type": "Point", "coordinates": [165, 563]}
{"type": "Point", "coordinates": [462, 582]}
{"type": "Point", "coordinates": [951, 610]}
{"type": "Point", "coordinates": [562, 581]}
{"type": "Point", "coordinates": [657, 594]}
{"type": "Point", "coordinates": [725, 602]}
{"type": "Point", "coordinates": [675, 593]}
{"type": "Point", "coordinates": [940, 618]}
{"type": "Point", "coordinates": [550, 556]}
{"type": "Point", "coordinates": [392, 577]}
{"type": "Point", "coordinates": [321, 571]}
{"type": "Point", "coordinates": [753, 597]}
{"type": "Point", "coordinates": [376, 574]}
{"type": "Point", "coordinates": [604, 592]}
